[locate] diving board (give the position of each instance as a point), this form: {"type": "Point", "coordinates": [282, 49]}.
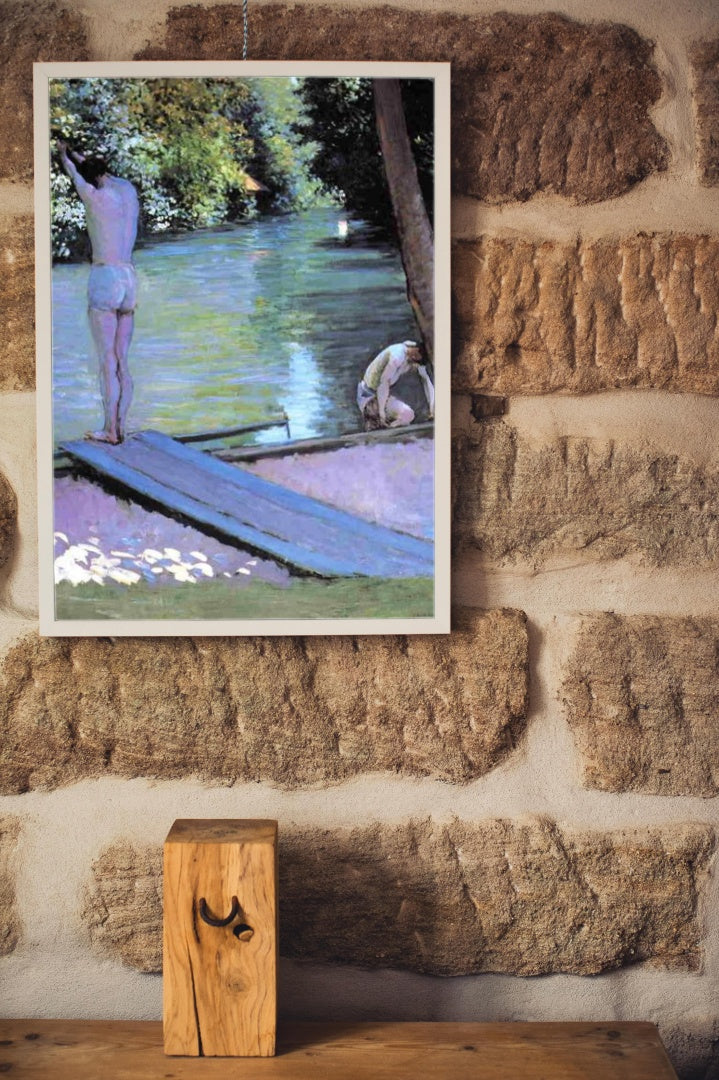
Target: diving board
{"type": "Point", "coordinates": [256, 514]}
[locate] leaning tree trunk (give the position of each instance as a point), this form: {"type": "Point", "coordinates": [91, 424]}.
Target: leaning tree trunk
{"type": "Point", "coordinates": [413, 226]}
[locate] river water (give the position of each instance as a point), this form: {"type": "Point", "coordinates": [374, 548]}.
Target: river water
{"type": "Point", "coordinates": [234, 325]}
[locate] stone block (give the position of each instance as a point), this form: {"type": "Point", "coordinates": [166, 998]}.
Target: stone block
{"type": "Point", "coordinates": [569, 496]}
{"type": "Point", "coordinates": [538, 317]}
{"type": "Point", "coordinates": [32, 33]}
{"type": "Point", "coordinates": [705, 64]}
{"type": "Point", "coordinates": [539, 102]}
{"type": "Point", "coordinates": [522, 897]}
{"type": "Point", "coordinates": [17, 303]}
{"type": "Point", "coordinates": [642, 698]}
{"type": "Point", "coordinates": [8, 519]}
{"type": "Point", "coordinates": [9, 918]}
{"type": "Point", "coordinates": [291, 711]}
{"type": "Point", "coordinates": [123, 904]}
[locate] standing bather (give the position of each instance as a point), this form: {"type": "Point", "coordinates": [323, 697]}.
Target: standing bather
{"type": "Point", "coordinates": [112, 210]}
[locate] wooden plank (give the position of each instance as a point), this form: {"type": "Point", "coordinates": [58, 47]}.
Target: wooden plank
{"type": "Point", "coordinates": [279, 496]}
{"type": "Point", "coordinates": [265, 509]}
{"type": "Point", "coordinates": [324, 443]}
{"type": "Point", "coordinates": [220, 982]}
{"type": "Point", "coordinates": [126, 1050]}
{"type": "Point", "coordinates": [254, 512]}
{"type": "Point", "coordinates": [260, 503]}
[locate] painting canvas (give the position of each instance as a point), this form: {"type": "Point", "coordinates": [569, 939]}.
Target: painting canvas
{"type": "Point", "coordinates": [243, 348]}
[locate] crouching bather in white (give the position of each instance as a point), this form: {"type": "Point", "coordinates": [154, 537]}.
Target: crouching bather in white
{"type": "Point", "coordinates": [111, 209]}
{"type": "Point", "coordinates": [381, 409]}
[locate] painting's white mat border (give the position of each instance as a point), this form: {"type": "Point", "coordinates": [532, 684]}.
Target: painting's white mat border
{"type": "Point", "coordinates": [49, 625]}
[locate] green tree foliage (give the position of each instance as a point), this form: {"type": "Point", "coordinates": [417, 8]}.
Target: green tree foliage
{"type": "Point", "coordinates": [190, 146]}
{"type": "Point", "coordinates": [282, 157]}
{"type": "Point", "coordinates": [340, 119]}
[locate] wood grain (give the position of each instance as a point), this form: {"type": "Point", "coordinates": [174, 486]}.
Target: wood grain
{"type": "Point", "coordinates": [220, 987]}
{"type": "Point", "coordinates": [86, 1050]}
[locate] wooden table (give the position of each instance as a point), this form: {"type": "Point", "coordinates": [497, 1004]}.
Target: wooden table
{"type": "Point", "coordinates": [119, 1050]}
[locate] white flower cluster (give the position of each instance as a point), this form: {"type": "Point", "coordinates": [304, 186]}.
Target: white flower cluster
{"type": "Point", "coordinates": [83, 563]}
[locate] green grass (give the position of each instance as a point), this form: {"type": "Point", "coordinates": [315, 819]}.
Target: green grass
{"type": "Point", "coordinates": [304, 598]}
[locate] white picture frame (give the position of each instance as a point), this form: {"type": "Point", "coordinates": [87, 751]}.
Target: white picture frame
{"type": "Point", "coordinates": [70, 608]}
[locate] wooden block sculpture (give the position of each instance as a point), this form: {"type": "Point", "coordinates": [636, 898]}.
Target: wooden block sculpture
{"type": "Point", "coordinates": [220, 938]}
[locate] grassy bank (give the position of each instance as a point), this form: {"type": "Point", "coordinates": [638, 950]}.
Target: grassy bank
{"type": "Point", "coordinates": [305, 598]}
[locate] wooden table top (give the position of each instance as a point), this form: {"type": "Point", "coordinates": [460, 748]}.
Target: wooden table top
{"type": "Point", "coordinates": [124, 1050]}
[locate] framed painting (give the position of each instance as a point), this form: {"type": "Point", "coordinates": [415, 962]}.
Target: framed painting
{"type": "Point", "coordinates": [243, 348]}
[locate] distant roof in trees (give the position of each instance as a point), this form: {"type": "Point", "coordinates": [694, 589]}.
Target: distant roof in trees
{"type": "Point", "coordinates": [254, 185]}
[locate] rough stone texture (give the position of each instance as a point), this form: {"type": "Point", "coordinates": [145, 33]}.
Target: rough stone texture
{"type": "Point", "coordinates": [519, 897]}
{"type": "Point", "coordinates": [705, 60]}
{"type": "Point", "coordinates": [539, 102]}
{"type": "Point", "coordinates": [17, 303]}
{"type": "Point", "coordinates": [515, 500]}
{"type": "Point", "coordinates": [123, 904]}
{"type": "Point", "coordinates": [290, 710]}
{"type": "Point", "coordinates": [9, 919]}
{"type": "Point", "coordinates": [30, 33]}
{"type": "Point", "coordinates": [640, 311]}
{"type": "Point", "coordinates": [8, 519]}
{"type": "Point", "coordinates": [642, 697]}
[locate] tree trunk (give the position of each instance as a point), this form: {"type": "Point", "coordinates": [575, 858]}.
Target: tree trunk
{"type": "Point", "coordinates": [413, 226]}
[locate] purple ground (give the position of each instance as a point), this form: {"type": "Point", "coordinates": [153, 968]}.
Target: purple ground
{"type": "Point", "coordinates": [391, 484]}
{"type": "Point", "coordinates": [99, 537]}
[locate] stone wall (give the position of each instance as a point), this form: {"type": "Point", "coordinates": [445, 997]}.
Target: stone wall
{"type": "Point", "coordinates": [533, 795]}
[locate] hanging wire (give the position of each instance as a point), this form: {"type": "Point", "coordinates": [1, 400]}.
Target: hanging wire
{"type": "Point", "coordinates": [244, 29]}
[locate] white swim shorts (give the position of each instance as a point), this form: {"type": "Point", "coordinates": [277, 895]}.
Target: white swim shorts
{"type": "Point", "coordinates": [112, 287]}
{"type": "Point", "coordinates": [364, 395]}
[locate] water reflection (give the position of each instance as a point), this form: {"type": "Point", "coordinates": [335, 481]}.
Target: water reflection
{"type": "Point", "coordinates": [236, 324]}
{"type": "Point", "coordinates": [305, 397]}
